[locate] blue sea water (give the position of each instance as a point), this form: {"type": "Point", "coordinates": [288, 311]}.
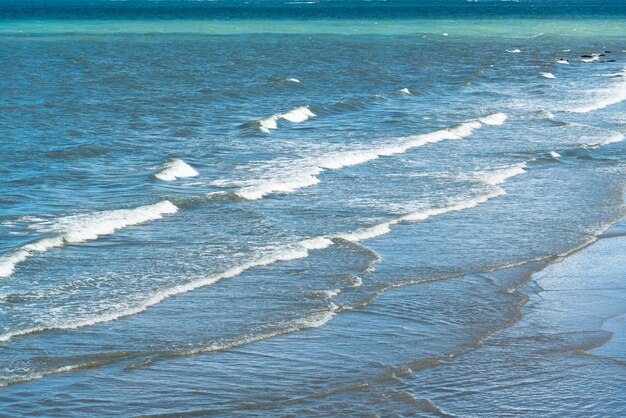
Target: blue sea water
{"type": "Point", "coordinates": [307, 208]}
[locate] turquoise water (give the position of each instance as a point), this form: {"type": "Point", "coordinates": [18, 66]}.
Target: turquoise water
{"type": "Point", "coordinates": [303, 209]}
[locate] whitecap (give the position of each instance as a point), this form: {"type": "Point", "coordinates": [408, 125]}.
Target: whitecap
{"type": "Point", "coordinates": [296, 115]}
{"type": "Point", "coordinates": [175, 169]}
{"type": "Point", "coordinates": [547, 75]}
{"type": "Point", "coordinates": [514, 51]}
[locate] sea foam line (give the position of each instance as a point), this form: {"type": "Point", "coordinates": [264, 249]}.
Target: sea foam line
{"type": "Point", "coordinates": [291, 251]}
{"type": "Point", "coordinates": [85, 227]}
{"type": "Point", "coordinates": [307, 171]}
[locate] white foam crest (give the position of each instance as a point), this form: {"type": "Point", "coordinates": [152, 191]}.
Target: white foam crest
{"type": "Point", "coordinates": [514, 51]}
{"type": "Point", "coordinates": [615, 137]}
{"type": "Point", "coordinates": [347, 159]}
{"type": "Point", "coordinates": [295, 182]}
{"type": "Point", "coordinates": [357, 282]}
{"type": "Point", "coordinates": [299, 114]}
{"type": "Point", "coordinates": [305, 176]}
{"type": "Point", "coordinates": [330, 293]}
{"type": "Point", "coordinates": [465, 129]}
{"type": "Point", "coordinates": [293, 80]}
{"type": "Point", "coordinates": [457, 207]}
{"type": "Point", "coordinates": [296, 115]}
{"type": "Point", "coordinates": [85, 227]}
{"type": "Point", "coordinates": [368, 233]}
{"type": "Point", "coordinates": [493, 119]}
{"type": "Point", "coordinates": [421, 215]}
{"type": "Point", "coordinates": [175, 169]}
{"type": "Point", "coordinates": [547, 75]}
{"type": "Point", "coordinates": [493, 178]}
{"type": "Point", "coordinates": [562, 61]}
{"type": "Point", "coordinates": [405, 91]}
{"type": "Point", "coordinates": [9, 261]}
{"type": "Point", "coordinates": [501, 175]}
{"type": "Point", "coordinates": [554, 154]}
{"type": "Point", "coordinates": [614, 95]}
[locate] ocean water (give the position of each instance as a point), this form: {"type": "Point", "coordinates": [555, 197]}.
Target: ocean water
{"type": "Point", "coordinates": [312, 208]}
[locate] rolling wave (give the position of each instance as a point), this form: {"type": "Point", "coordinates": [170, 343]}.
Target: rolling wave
{"type": "Point", "coordinates": [304, 172]}
{"type": "Point", "coordinates": [84, 227]}
{"type": "Point", "coordinates": [296, 115]}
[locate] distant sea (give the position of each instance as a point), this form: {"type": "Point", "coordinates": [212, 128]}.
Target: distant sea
{"type": "Point", "coordinates": [312, 208]}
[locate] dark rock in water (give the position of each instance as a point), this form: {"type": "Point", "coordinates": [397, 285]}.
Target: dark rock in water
{"type": "Point", "coordinates": [611, 61]}
{"type": "Point", "coordinates": [607, 52]}
{"type": "Point", "coordinates": [586, 56]}
{"type": "Point", "coordinates": [601, 55]}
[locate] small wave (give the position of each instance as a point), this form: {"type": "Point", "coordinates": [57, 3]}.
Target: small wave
{"type": "Point", "coordinates": [615, 137]}
{"type": "Point", "coordinates": [562, 61]}
{"type": "Point", "coordinates": [296, 115]}
{"type": "Point", "coordinates": [175, 169]}
{"type": "Point", "coordinates": [494, 178]}
{"type": "Point", "coordinates": [84, 227]}
{"type": "Point", "coordinates": [613, 96]}
{"type": "Point", "coordinates": [44, 373]}
{"type": "Point", "coordinates": [282, 253]}
{"type": "Point", "coordinates": [493, 119]}
{"type": "Point", "coordinates": [330, 293]}
{"type": "Point", "coordinates": [285, 252]}
{"type": "Point", "coordinates": [404, 91]}
{"type": "Point", "coordinates": [547, 75]}
{"type": "Point", "coordinates": [500, 176]}
{"type": "Point", "coordinates": [554, 155]}
{"type": "Point", "coordinates": [293, 80]}
{"type": "Point", "coordinates": [314, 320]}
{"type": "Point", "coordinates": [356, 282]}
{"type": "Point", "coordinates": [514, 51]}
{"type": "Point", "coordinates": [306, 173]}
{"type": "Point", "coordinates": [619, 74]}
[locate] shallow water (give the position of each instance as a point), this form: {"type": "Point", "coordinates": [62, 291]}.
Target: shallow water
{"type": "Point", "coordinates": [217, 208]}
